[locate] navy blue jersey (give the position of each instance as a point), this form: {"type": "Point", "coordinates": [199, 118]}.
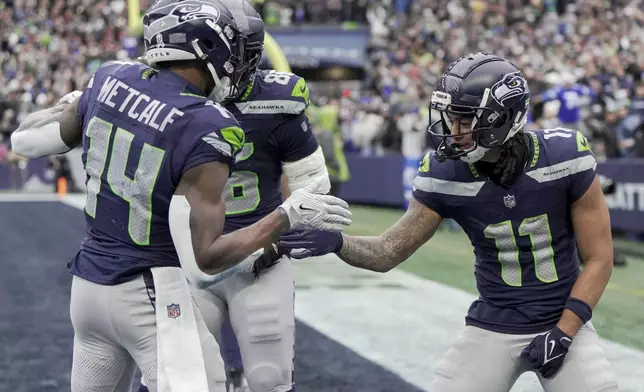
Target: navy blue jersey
{"type": "Point", "coordinates": [523, 239]}
{"type": "Point", "coordinates": [277, 130]}
{"type": "Point", "coordinates": [142, 130]}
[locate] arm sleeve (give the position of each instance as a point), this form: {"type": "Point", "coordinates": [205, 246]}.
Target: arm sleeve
{"type": "Point", "coordinates": [219, 144]}
{"type": "Point", "coordinates": [204, 152]}
{"type": "Point", "coordinates": [424, 188]}
{"type": "Point", "coordinates": [582, 169]}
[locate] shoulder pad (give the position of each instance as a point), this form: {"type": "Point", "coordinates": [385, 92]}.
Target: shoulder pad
{"type": "Point", "coordinates": [121, 68]}
{"type": "Point", "coordinates": [453, 170]}
{"type": "Point", "coordinates": [560, 153]}
{"type": "Point", "coordinates": [115, 64]}
{"type": "Point", "coordinates": [451, 177]}
{"type": "Point", "coordinates": [114, 68]}
{"type": "Point", "coordinates": [423, 167]}
{"type": "Point", "coordinates": [560, 145]}
{"type": "Point", "coordinates": [276, 93]}
{"type": "Point", "coordinates": [217, 117]}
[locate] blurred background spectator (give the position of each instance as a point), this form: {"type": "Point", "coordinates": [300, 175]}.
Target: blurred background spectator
{"type": "Point", "coordinates": [583, 60]}
{"type": "Point", "coordinates": [371, 66]}
{"type": "Point", "coordinates": [50, 48]}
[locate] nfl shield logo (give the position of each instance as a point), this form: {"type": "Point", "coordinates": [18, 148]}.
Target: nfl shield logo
{"type": "Point", "coordinates": [509, 201]}
{"type": "Point", "coordinates": [174, 311]}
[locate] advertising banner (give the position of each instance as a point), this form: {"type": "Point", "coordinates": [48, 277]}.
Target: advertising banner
{"type": "Point", "coordinates": [383, 180]}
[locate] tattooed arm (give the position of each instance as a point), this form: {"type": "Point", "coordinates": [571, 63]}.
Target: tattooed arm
{"type": "Point", "coordinates": [395, 245]}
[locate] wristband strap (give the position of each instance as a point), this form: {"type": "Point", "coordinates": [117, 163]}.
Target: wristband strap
{"type": "Point", "coordinates": [580, 308]}
{"type": "Point", "coordinates": [339, 243]}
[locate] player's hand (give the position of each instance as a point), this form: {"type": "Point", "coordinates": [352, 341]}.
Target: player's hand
{"type": "Point", "coordinates": [546, 352]}
{"type": "Point", "coordinates": [307, 242]}
{"type": "Point", "coordinates": [69, 98]}
{"type": "Point", "coordinates": [142, 60]}
{"type": "Point", "coordinates": [41, 115]}
{"type": "Point", "coordinates": [305, 208]}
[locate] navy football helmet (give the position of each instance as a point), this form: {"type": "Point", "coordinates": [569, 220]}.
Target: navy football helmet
{"type": "Point", "coordinates": [253, 48]}
{"type": "Point", "coordinates": [222, 34]}
{"type": "Point", "coordinates": [487, 89]}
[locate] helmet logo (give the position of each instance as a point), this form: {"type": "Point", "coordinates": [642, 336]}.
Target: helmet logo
{"type": "Point", "coordinates": [160, 43]}
{"type": "Point", "coordinates": [197, 11]}
{"type": "Point", "coordinates": [511, 86]}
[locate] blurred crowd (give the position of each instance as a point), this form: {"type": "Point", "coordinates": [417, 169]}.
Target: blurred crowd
{"type": "Point", "coordinates": [583, 60]}
{"type": "Point", "coordinates": [50, 48]}
{"type": "Point", "coordinates": [296, 12]}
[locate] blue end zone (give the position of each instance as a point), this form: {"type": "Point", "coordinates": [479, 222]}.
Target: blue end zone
{"type": "Point", "coordinates": [37, 239]}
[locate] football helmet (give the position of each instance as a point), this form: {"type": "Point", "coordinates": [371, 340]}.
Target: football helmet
{"type": "Point", "coordinates": [488, 90]}
{"type": "Point", "coordinates": [214, 32]}
{"type": "Point", "coordinates": [253, 48]}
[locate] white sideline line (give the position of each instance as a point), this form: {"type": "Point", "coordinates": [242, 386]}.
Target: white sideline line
{"type": "Point", "coordinates": [76, 200]}
{"type": "Point", "coordinates": [400, 321]}
{"type": "Point", "coordinates": [406, 329]}
{"type": "Point", "coordinates": [18, 197]}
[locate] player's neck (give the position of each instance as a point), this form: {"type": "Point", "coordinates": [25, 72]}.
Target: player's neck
{"type": "Point", "coordinates": [193, 76]}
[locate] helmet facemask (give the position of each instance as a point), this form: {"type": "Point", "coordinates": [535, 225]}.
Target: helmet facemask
{"type": "Point", "coordinates": [452, 146]}
{"type": "Point", "coordinates": [226, 84]}
{"type": "Point", "coordinates": [245, 70]}
{"type": "Point", "coordinates": [492, 124]}
{"type": "Point", "coordinates": [239, 68]}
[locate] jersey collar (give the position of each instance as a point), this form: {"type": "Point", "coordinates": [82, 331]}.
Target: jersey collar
{"type": "Point", "coordinates": [533, 152]}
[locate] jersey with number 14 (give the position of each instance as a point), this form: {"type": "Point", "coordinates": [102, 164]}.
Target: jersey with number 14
{"type": "Point", "coordinates": [271, 112]}
{"type": "Point", "coordinates": [523, 238]}
{"type": "Point", "coordinates": [143, 130]}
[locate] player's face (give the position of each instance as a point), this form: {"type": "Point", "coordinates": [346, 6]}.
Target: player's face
{"type": "Point", "coordinates": [461, 130]}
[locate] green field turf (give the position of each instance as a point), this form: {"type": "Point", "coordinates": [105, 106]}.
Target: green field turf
{"type": "Point", "coordinates": [447, 258]}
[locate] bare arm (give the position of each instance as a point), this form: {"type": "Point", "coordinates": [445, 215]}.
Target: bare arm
{"type": "Point", "coordinates": [395, 245]}
{"type": "Point", "coordinates": [49, 131]}
{"type": "Point", "coordinates": [203, 188]}
{"type": "Point", "coordinates": [591, 222]}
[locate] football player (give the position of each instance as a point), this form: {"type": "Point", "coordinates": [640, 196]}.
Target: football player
{"type": "Point", "coordinates": [270, 107]}
{"type": "Point", "coordinates": [158, 154]}
{"type": "Point", "coordinates": [526, 200]}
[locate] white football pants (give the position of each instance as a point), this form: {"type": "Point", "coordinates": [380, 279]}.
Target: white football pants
{"type": "Point", "coordinates": [115, 330]}
{"type": "Point", "coordinates": [261, 314]}
{"type": "Point", "coordinates": [486, 361]}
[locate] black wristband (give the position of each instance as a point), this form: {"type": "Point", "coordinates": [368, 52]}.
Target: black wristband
{"type": "Point", "coordinates": [580, 308]}
{"type": "Point", "coordinates": [338, 246]}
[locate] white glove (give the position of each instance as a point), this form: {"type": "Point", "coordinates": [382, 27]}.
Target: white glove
{"type": "Point", "coordinates": [69, 98]}
{"type": "Point", "coordinates": [324, 212]}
